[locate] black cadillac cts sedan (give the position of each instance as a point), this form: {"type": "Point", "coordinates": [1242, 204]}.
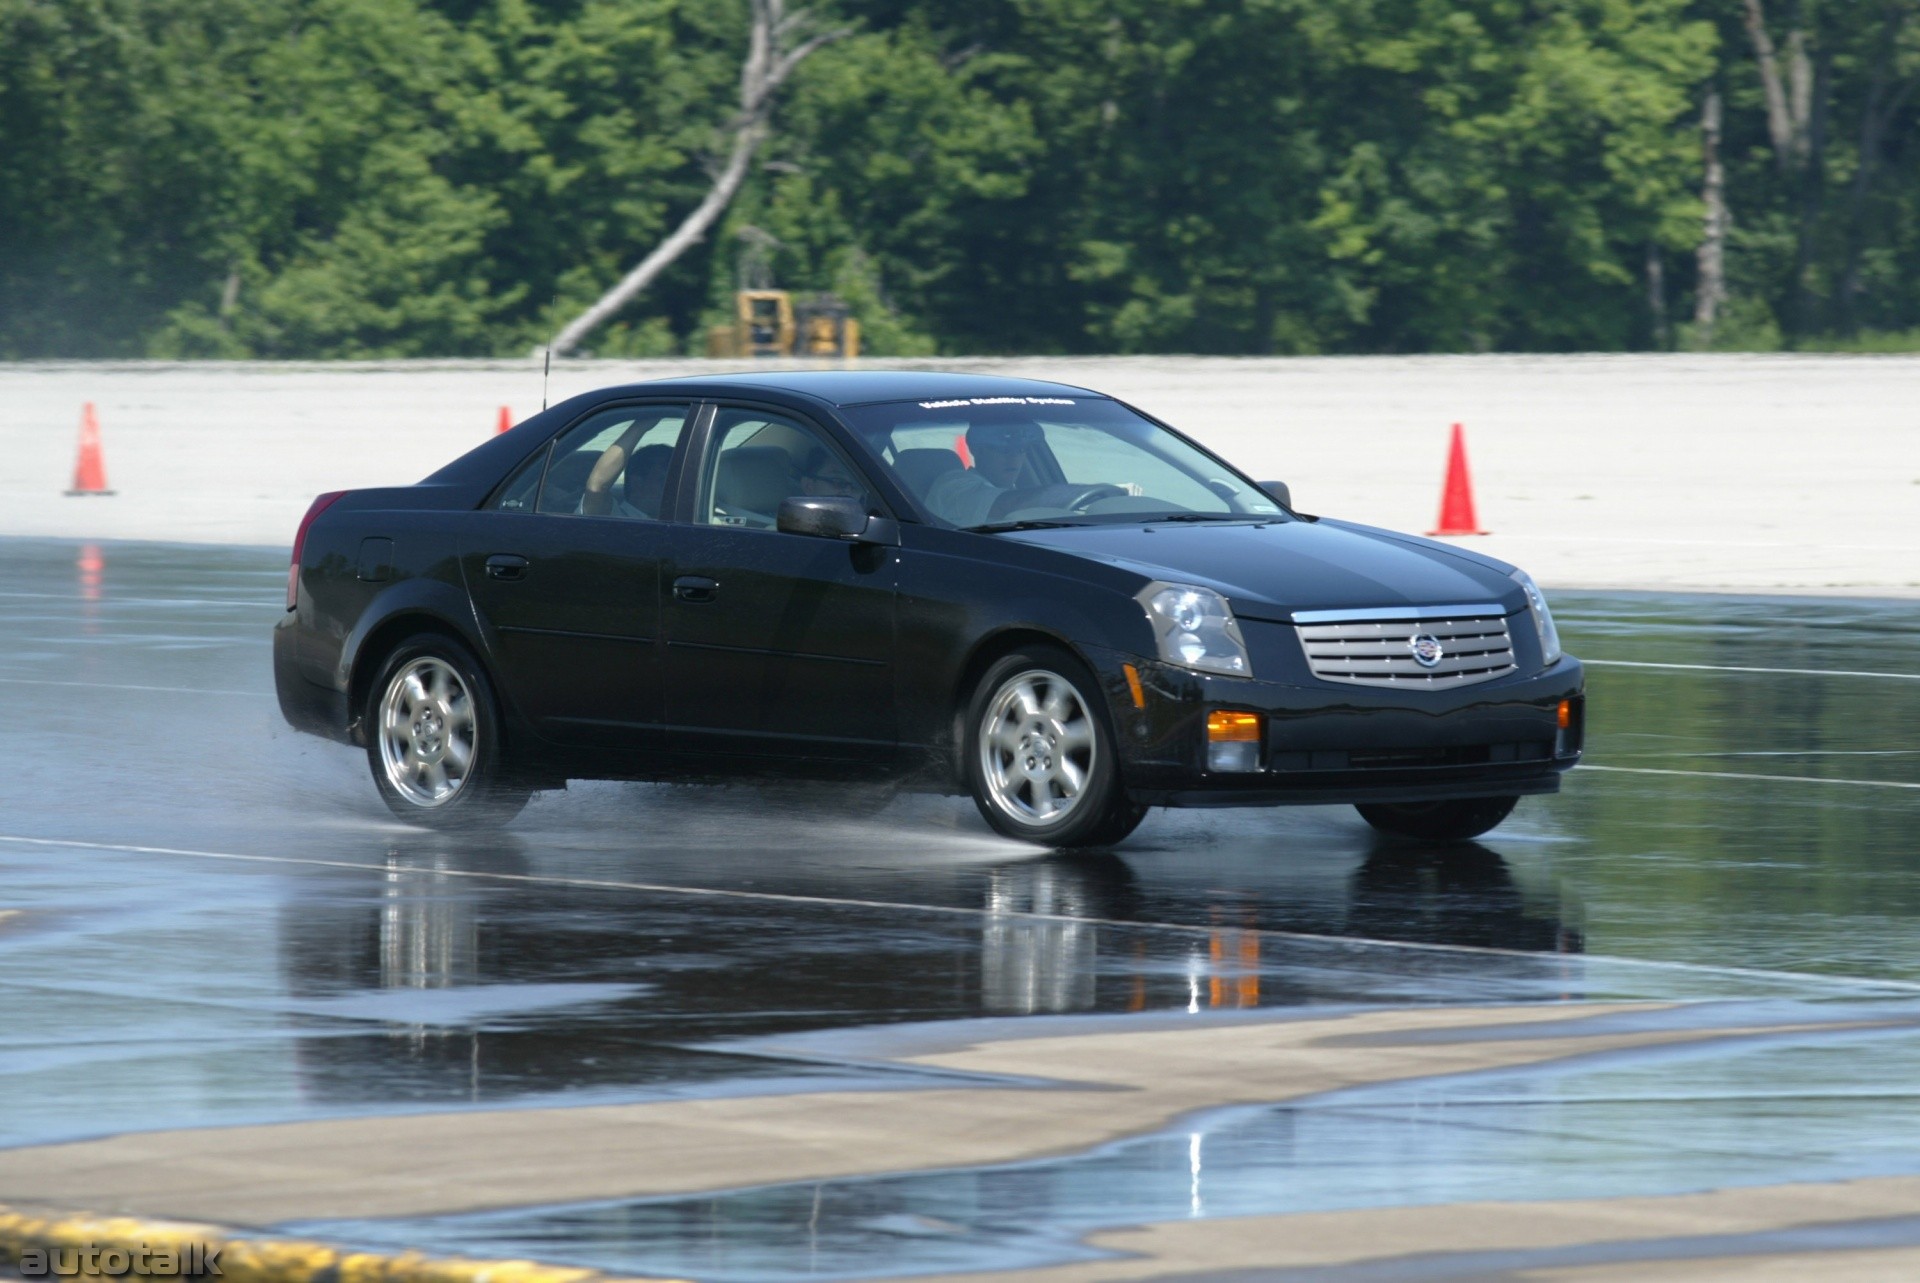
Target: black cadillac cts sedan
{"type": "Point", "coordinates": [1023, 591]}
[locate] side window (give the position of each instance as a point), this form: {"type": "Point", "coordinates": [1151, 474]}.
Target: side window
{"type": "Point", "coordinates": [759, 459]}
{"type": "Point", "coordinates": [614, 464]}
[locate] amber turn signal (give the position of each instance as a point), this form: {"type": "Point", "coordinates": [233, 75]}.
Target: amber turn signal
{"type": "Point", "coordinates": [1566, 714]}
{"type": "Point", "coordinates": [1233, 728]}
{"type": "Point", "coordinates": [1233, 742]}
{"type": "Point", "coordinates": [1133, 685]}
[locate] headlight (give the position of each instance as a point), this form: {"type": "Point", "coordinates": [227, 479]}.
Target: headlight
{"type": "Point", "coordinates": [1542, 618]}
{"type": "Point", "coordinates": [1195, 628]}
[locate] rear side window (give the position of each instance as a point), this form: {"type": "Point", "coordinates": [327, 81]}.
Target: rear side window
{"type": "Point", "coordinates": [612, 465]}
{"type": "Point", "coordinates": [523, 486]}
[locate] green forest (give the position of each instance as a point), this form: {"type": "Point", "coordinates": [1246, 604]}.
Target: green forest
{"type": "Point", "coordinates": [415, 178]}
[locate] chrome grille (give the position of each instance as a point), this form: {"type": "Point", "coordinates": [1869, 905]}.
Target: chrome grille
{"type": "Point", "coordinates": [1375, 649]}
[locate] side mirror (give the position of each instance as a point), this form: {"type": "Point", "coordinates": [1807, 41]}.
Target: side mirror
{"type": "Point", "coordinates": [823, 516]}
{"type": "Point", "coordinates": [1278, 492]}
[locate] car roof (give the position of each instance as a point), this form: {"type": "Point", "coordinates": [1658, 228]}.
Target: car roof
{"type": "Point", "coordinates": [484, 465]}
{"type": "Point", "coordinates": [866, 387]}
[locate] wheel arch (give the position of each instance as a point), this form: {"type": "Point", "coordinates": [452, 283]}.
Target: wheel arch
{"type": "Point", "coordinates": [372, 650]}
{"type": "Point", "coordinates": [985, 653]}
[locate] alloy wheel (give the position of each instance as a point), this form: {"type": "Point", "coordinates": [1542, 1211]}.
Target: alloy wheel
{"type": "Point", "coordinates": [428, 732]}
{"type": "Point", "coordinates": [1038, 748]}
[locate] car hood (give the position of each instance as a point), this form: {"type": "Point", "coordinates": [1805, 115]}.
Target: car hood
{"type": "Point", "coordinates": [1269, 570]}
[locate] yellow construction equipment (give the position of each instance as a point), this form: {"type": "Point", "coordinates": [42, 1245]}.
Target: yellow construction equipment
{"type": "Point", "coordinates": [769, 323]}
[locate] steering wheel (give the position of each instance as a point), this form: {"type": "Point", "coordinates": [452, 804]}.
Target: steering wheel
{"type": "Point", "coordinates": [1077, 498]}
{"type": "Point", "coordinates": [1073, 497]}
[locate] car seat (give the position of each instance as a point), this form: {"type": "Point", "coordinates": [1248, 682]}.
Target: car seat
{"type": "Point", "coordinates": [645, 482]}
{"type": "Point", "coordinates": [919, 469]}
{"type": "Point", "coordinates": [749, 484]}
{"type": "Point", "coordinates": [567, 481]}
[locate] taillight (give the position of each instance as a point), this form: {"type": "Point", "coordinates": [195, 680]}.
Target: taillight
{"type": "Point", "coordinates": [314, 509]}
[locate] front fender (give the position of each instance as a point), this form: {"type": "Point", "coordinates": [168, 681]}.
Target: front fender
{"type": "Point", "coordinates": [955, 609]}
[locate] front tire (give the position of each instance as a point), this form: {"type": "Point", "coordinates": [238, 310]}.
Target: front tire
{"type": "Point", "coordinates": [1454, 820]}
{"type": "Point", "coordinates": [1041, 762]}
{"type": "Point", "coordinates": [433, 738]}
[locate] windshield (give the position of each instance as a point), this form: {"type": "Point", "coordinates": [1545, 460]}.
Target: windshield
{"type": "Point", "coordinates": [988, 462]}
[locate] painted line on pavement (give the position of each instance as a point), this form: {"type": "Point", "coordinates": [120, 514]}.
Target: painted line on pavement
{"type": "Point", "coordinates": [1806, 752]}
{"type": "Point", "coordinates": [1750, 775]}
{"type": "Point", "coordinates": [965, 911]}
{"type": "Point", "coordinates": [122, 686]}
{"type": "Point", "coordinates": [1738, 668]}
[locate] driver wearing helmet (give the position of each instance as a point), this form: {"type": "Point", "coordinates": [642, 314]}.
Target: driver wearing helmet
{"type": "Point", "coordinates": [1001, 463]}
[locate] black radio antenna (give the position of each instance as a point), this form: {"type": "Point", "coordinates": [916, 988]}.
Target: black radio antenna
{"type": "Point", "coordinates": [546, 374]}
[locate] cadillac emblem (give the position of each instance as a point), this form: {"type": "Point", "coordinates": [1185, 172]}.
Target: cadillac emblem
{"type": "Point", "coordinates": [1426, 649]}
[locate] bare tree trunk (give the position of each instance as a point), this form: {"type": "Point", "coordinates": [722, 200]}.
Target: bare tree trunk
{"type": "Point", "coordinates": [772, 54]}
{"type": "Point", "coordinates": [1799, 89]}
{"type": "Point", "coordinates": [230, 297]}
{"type": "Point", "coordinates": [1657, 297]}
{"type": "Point", "coordinates": [690, 232]}
{"type": "Point", "coordinates": [1711, 291]}
{"type": "Point", "coordinates": [1788, 104]}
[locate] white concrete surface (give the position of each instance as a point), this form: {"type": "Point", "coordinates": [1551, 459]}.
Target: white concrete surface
{"type": "Point", "coordinates": [1730, 473]}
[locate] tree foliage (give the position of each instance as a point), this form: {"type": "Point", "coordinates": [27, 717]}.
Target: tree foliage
{"type": "Point", "coordinates": [374, 178]}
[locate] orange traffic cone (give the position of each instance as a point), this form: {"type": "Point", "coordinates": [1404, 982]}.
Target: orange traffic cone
{"type": "Point", "coordinates": [1456, 498]}
{"type": "Point", "coordinates": [90, 472]}
{"type": "Point", "coordinates": [506, 421]}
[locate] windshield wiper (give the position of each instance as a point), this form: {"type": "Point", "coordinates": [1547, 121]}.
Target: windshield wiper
{"type": "Point", "coordinates": [1032, 523]}
{"type": "Point", "coordinates": [1203, 516]}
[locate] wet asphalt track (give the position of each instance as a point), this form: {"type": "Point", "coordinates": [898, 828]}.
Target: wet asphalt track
{"type": "Point", "coordinates": [206, 919]}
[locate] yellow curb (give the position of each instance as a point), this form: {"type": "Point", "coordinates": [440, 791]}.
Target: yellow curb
{"type": "Point", "coordinates": [265, 1260]}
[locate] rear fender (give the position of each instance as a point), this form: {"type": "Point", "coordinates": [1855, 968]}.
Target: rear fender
{"type": "Point", "coordinates": [412, 605]}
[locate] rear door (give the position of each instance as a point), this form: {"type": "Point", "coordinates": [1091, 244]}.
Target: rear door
{"type": "Point", "coordinates": [777, 644]}
{"type": "Point", "coordinates": [564, 570]}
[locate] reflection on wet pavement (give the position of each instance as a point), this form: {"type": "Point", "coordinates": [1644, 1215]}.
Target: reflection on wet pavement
{"type": "Point", "coordinates": [207, 919]}
{"type": "Point", "coordinates": [468, 976]}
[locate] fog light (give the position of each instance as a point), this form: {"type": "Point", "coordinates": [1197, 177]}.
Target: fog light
{"type": "Point", "coordinates": [1233, 741]}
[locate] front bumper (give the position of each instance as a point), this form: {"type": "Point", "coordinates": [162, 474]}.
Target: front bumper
{"type": "Point", "coordinates": [1334, 743]}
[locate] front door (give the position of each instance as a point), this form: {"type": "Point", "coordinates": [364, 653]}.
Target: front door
{"type": "Point", "coordinates": [777, 644]}
{"type": "Point", "coordinates": [564, 570]}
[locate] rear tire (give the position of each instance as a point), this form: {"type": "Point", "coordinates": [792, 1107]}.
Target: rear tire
{"type": "Point", "coordinates": [433, 738]}
{"type": "Point", "coordinates": [1040, 759]}
{"type": "Point", "coordinates": [1454, 820]}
